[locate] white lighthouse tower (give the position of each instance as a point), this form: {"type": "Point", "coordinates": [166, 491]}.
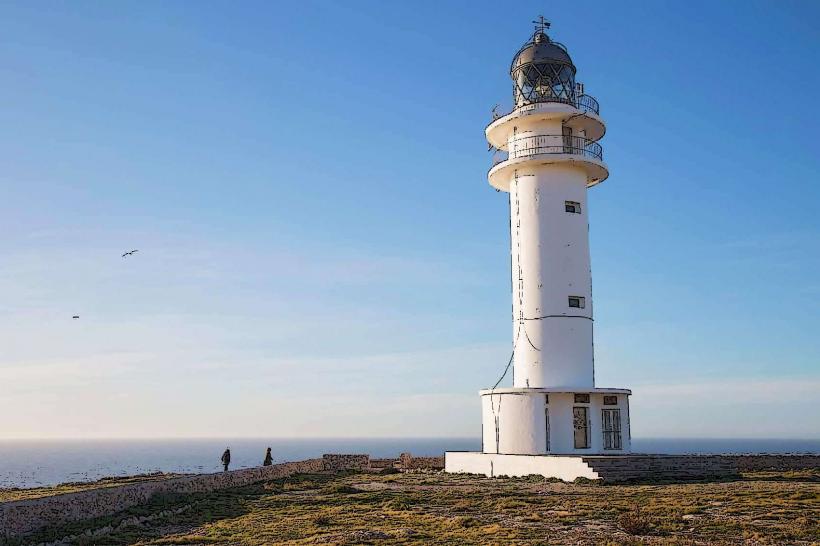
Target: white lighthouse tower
{"type": "Point", "coordinates": [548, 157]}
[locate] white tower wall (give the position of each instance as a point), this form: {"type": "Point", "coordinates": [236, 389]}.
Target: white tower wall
{"type": "Point", "coordinates": [523, 413]}
{"type": "Point", "coordinates": [550, 263]}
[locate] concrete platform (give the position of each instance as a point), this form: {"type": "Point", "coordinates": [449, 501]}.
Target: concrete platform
{"type": "Point", "coordinates": [609, 468]}
{"type": "Point", "coordinates": [563, 467]}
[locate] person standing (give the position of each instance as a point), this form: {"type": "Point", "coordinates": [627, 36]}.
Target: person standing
{"type": "Point", "coordinates": [268, 458]}
{"type": "Point", "coordinates": [226, 458]}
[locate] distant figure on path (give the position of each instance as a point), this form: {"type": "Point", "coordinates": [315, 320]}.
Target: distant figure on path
{"type": "Point", "coordinates": [226, 458]}
{"type": "Point", "coordinates": [268, 458]}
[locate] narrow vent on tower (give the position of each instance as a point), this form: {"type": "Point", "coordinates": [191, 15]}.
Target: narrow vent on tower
{"type": "Point", "coordinates": [610, 400]}
{"type": "Point", "coordinates": [582, 399]}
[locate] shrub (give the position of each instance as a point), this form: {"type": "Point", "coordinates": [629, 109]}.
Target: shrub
{"type": "Point", "coordinates": [462, 506]}
{"type": "Point", "coordinates": [634, 522]}
{"type": "Point", "coordinates": [583, 480]}
{"type": "Point", "coordinates": [321, 520]}
{"type": "Point", "coordinates": [398, 505]}
{"type": "Point", "coordinates": [467, 521]}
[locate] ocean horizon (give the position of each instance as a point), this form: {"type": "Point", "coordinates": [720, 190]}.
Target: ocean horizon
{"type": "Point", "coordinates": [38, 463]}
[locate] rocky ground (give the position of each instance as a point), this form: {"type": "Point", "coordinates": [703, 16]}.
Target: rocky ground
{"type": "Point", "coordinates": [437, 508]}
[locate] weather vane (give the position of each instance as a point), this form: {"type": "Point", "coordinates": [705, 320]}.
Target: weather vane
{"type": "Point", "coordinates": [541, 24]}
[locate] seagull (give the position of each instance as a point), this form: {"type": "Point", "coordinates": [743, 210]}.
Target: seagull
{"type": "Point", "coordinates": [76, 316]}
{"type": "Point", "coordinates": [130, 252]}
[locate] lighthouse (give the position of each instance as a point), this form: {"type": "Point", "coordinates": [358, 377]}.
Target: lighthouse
{"type": "Point", "coordinates": [548, 157]}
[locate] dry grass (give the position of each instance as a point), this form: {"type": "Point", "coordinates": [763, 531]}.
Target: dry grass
{"type": "Point", "coordinates": [427, 508]}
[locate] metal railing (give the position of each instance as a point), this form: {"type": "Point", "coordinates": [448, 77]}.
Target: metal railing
{"type": "Point", "coordinates": [585, 103]}
{"type": "Point", "coordinates": [549, 144]}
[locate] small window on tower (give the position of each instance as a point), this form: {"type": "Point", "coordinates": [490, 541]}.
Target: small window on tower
{"type": "Point", "coordinates": [572, 206]}
{"type": "Point", "coordinates": [582, 399]}
{"type": "Point", "coordinates": [610, 400]}
{"type": "Point", "coordinates": [576, 301]}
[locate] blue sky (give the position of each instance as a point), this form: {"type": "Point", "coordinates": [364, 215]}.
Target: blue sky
{"type": "Point", "coordinates": [320, 252]}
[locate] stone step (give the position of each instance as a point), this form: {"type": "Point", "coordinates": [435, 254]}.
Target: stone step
{"type": "Point", "coordinates": [632, 467]}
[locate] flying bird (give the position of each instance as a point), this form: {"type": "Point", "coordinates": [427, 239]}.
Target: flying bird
{"type": "Point", "coordinates": [129, 253]}
{"type": "Point", "coordinates": [76, 316]}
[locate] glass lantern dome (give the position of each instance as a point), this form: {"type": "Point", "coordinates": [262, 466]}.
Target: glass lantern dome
{"type": "Point", "coordinates": [542, 71]}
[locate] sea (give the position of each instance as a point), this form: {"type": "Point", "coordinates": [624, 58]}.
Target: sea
{"type": "Point", "coordinates": [37, 463]}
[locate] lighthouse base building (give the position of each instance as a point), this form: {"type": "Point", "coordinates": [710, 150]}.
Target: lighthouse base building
{"type": "Point", "coordinates": [553, 419]}
{"type": "Point", "coordinates": [549, 431]}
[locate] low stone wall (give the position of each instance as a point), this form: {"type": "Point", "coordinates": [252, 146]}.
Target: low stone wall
{"type": "Point", "coordinates": [776, 462]}
{"type": "Point", "coordinates": [25, 516]}
{"type": "Point", "coordinates": [408, 462]}
{"type": "Point", "coordinates": [383, 463]}
{"type": "Point", "coordinates": [335, 462]}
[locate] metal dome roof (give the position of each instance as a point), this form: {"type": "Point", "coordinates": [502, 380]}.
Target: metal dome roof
{"type": "Point", "coordinates": [540, 49]}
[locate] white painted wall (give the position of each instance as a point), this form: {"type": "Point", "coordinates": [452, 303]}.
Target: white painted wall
{"type": "Point", "coordinates": [521, 423]}
{"type": "Point", "coordinates": [563, 468]}
{"type": "Point", "coordinates": [522, 427]}
{"type": "Point", "coordinates": [550, 262]}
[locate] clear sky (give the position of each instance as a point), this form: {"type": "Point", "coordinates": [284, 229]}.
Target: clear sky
{"type": "Point", "coordinates": [319, 251]}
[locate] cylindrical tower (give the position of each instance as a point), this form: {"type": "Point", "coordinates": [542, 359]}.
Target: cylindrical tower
{"type": "Point", "coordinates": [551, 158]}
{"type": "Point", "coordinates": [547, 157]}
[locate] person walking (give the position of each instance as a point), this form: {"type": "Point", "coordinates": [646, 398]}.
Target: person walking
{"type": "Point", "coordinates": [226, 458]}
{"type": "Point", "coordinates": [268, 458]}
